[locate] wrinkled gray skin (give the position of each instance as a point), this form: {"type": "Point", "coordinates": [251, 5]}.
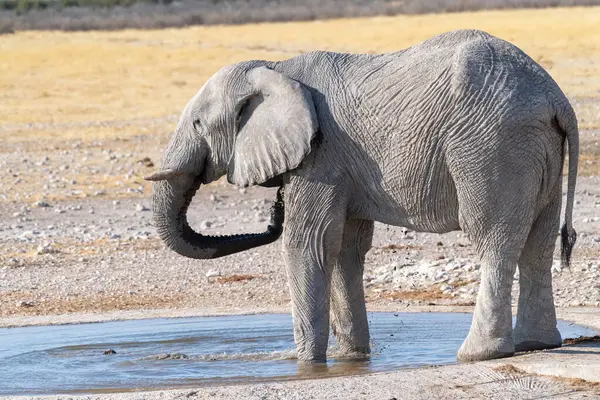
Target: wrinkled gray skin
{"type": "Point", "coordinates": [463, 131]}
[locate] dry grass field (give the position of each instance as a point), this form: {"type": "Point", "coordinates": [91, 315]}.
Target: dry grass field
{"type": "Point", "coordinates": [64, 80]}
{"type": "Point", "coordinates": [123, 90]}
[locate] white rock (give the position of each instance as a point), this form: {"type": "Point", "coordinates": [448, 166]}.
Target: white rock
{"type": "Point", "coordinates": [212, 272]}
{"type": "Point", "coordinates": [396, 265]}
{"type": "Point", "coordinates": [140, 208]}
{"type": "Point", "coordinates": [46, 249]}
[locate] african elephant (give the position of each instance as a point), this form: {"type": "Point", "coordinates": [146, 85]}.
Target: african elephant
{"type": "Point", "coordinates": [461, 132]}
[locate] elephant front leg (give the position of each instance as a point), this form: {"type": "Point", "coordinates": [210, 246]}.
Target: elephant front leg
{"type": "Point", "coordinates": [309, 290]}
{"type": "Point", "coordinates": [348, 310]}
{"type": "Point", "coordinates": [315, 217]}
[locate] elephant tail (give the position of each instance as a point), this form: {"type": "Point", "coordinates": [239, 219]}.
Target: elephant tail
{"type": "Point", "coordinates": [568, 123]}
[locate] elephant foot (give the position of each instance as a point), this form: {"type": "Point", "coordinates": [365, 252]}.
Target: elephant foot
{"type": "Point", "coordinates": [355, 353]}
{"type": "Point", "coordinates": [311, 355]}
{"type": "Point", "coordinates": [352, 348]}
{"type": "Point", "coordinates": [311, 361]}
{"type": "Point", "coordinates": [537, 340]}
{"type": "Point", "coordinates": [533, 345]}
{"type": "Point", "coordinates": [485, 349]}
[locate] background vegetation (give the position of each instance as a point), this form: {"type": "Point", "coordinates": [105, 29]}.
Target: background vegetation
{"type": "Point", "coordinates": [148, 14]}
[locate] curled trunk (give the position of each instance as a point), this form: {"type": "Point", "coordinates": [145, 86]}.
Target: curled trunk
{"type": "Point", "coordinates": [170, 205]}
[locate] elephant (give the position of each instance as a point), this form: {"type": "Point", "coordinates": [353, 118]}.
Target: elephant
{"type": "Point", "coordinates": [463, 131]}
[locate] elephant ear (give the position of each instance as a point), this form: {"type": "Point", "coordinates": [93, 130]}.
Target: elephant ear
{"type": "Point", "coordinates": [277, 123]}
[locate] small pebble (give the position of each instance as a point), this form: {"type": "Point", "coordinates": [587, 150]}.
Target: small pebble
{"type": "Point", "coordinates": [140, 208]}
{"type": "Point", "coordinates": [205, 225]}
{"type": "Point", "coordinates": [212, 272]}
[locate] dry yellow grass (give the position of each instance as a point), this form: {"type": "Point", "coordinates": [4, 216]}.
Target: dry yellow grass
{"type": "Point", "coordinates": [63, 80]}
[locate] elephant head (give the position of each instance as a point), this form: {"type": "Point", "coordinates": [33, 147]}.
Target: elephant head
{"type": "Point", "coordinates": [248, 121]}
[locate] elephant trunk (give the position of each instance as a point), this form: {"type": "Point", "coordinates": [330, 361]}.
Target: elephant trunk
{"type": "Point", "coordinates": [170, 205]}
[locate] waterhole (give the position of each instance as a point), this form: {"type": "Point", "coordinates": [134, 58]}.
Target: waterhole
{"type": "Point", "coordinates": [184, 352]}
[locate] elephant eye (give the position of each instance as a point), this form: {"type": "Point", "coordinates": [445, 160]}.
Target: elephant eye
{"type": "Point", "coordinates": [197, 125]}
{"type": "Point", "coordinates": [240, 115]}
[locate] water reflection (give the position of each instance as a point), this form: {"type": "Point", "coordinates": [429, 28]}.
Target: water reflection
{"type": "Point", "coordinates": [342, 367]}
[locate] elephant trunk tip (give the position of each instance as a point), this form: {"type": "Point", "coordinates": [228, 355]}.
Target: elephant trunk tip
{"type": "Point", "coordinates": [277, 214]}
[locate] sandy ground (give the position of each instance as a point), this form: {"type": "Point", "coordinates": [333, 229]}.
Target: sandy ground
{"type": "Point", "coordinates": [77, 245]}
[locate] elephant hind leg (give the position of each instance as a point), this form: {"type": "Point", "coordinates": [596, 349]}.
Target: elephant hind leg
{"type": "Point", "coordinates": [497, 216]}
{"type": "Point", "coordinates": [536, 317]}
{"type": "Point", "coordinates": [490, 335]}
{"type": "Point", "coordinates": [348, 310]}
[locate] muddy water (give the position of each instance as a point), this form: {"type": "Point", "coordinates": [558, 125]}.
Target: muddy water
{"type": "Point", "coordinates": [171, 353]}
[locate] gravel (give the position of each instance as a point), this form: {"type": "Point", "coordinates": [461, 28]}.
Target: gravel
{"type": "Point", "coordinates": [84, 241]}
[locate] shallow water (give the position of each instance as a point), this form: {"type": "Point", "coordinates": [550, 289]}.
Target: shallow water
{"type": "Point", "coordinates": [216, 350]}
